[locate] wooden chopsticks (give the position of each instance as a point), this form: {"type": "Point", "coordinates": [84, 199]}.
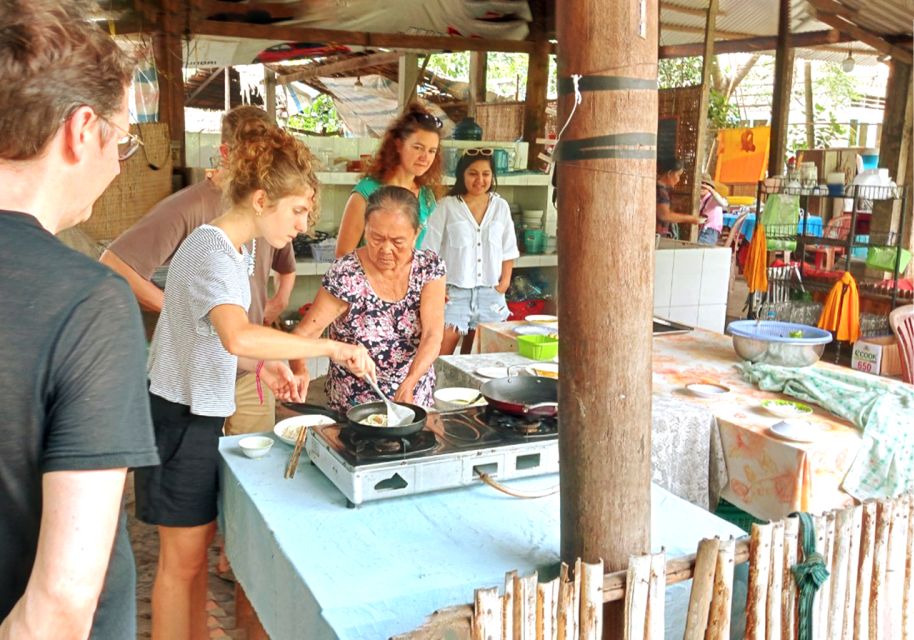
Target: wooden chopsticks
{"type": "Point", "coordinates": [296, 453]}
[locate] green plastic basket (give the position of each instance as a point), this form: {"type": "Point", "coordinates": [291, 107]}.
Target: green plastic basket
{"type": "Point", "coordinates": [538, 347]}
{"type": "Point", "coordinates": [736, 516]}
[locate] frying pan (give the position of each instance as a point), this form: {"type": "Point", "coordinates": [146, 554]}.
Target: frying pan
{"type": "Point", "coordinates": [523, 395]}
{"type": "Point", "coordinates": [361, 412]}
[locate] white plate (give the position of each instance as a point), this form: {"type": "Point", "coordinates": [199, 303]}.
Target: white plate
{"type": "Point", "coordinates": [288, 427]}
{"type": "Point", "coordinates": [492, 372]}
{"type": "Point", "coordinates": [787, 408]}
{"type": "Point", "coordinates": [534, 330]}
{"type": "Point", "coordinates": [797, 430]}
{"type": "Point", "coordinates": [706, 390]}
{"type": "Point", "coordinates": [544, 369]}
{"type": "Point", "coordinates": [541, 318]}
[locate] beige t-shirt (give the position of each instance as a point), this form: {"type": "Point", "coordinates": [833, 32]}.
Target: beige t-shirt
{"type": "Point", "coordinates": [152, 241]}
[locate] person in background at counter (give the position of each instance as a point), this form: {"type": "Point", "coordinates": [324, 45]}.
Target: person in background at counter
{"type": "Point", "coordinates": [389, 297]}
{"type": "Point", "coordinates": [152, 242]}
{"type": "Point", "coordinates": [75, 411]}
{"type": "Point", "coordinates": [473, 232]}
{"type": "Point", "coordinates": [407, 157]}
{"type": "Point", "coordinates": [669, 172]}
{"type": "Point", "coordinates": [712, 208]}
{"type": "Point", "coordinates": [203, 335]}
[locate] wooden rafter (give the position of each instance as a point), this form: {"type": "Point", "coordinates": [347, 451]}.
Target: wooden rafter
{"type": "Point", "coordinates": [835, 14]}
{"type": "Point", "coordinates": [340, 66]}
{"type": "Point", "coordinates": [666, 26]}
{"type": "Point", "coordinates": [692, 11]}
{"type": "Point", "coordinates": [757, 43]}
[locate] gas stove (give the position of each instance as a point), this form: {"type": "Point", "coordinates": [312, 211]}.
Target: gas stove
{"type": "Point", "coordinates": [451, 451]}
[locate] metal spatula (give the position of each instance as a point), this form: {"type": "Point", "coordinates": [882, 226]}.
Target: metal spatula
{"type": "Point", "coordinates": [396, 415]}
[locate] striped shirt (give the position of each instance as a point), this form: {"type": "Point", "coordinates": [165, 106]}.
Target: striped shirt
{"type": "Point", "coordinates": [187, 362]}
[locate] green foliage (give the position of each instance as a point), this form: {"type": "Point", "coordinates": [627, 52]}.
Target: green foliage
{"type": "Point", "coordinates": [679, 72]}
{"type": "Point", "coordinates": [506, 73]}
{"type": "Point", "coordinates": [833, 90]}
{"type": "Point", "coordinates": [722, 113]}
{"type": "Point", "coordinates": [319, 117]}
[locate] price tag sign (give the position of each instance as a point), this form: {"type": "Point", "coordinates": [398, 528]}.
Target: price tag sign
{"type": "Point", "coordinates": [866, 357]}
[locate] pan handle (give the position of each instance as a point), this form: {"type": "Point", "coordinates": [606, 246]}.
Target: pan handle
{"type": "Point", "coordinates": [540, 405]}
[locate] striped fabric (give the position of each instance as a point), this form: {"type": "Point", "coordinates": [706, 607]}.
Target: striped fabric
{"type": "Point", "coordinates": [187, 362]}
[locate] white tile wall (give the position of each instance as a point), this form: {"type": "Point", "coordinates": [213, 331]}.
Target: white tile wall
{"type": "Point", "coordinates": [686, 277]}
{"type": "Point", "coordinates": [686, 315]}
{"type": "Point", "coordinates": [690, 285]}
{"type": "Point", "coordinates": [712, 317]}
{"type": "Point", "coordinates": [663, 278]}
{"type": "Point", "coordinates": [715, 277]}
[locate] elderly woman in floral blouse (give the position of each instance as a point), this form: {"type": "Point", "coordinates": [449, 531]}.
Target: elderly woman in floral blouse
{"type": "Point", "coordinates": [389, 297]}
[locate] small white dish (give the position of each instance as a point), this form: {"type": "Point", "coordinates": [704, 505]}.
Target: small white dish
{"type": "Point", "coordinates": [796, 430]}
{"type": "Point", "coordinates": [452, 398]}
{"type": "Point", "coordinates": [256, 446]}
{"type": "Point", "coordinates": [543, 369]}
{"type": "Point", "coordinates": [535, 330]}
{"type": "Point", "coordinates": [786, 408]}
{"type": "Point", "coordinates": [541, 318]}
{"type": "Point", "coordinates": [707, 389]}
{"type": "Point", "coordinates": [287, 430]}
{"type": "Point", "coordinates": [492, 372]}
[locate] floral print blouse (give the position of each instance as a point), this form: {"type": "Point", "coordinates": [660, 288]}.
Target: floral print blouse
{"type": "Point", "coordinates": [389, 330]}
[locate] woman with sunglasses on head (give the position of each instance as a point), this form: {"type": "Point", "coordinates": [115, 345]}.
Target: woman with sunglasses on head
{"type": "Point", "coordinates": [203, 335]}
{"type": "Point", "coordinates": [407, 157]}
{"type": "Point", "coordinates": [473, 232]}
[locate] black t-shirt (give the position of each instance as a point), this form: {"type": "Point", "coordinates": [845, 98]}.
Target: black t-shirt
{"type": "Point", "coordinates": [73, 383]}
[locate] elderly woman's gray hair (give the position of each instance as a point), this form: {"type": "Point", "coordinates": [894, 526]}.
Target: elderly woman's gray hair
{"type": "Point", "coordinates": [391, 198]}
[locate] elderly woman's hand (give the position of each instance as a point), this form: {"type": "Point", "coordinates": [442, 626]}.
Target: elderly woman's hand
{"type": "Point", "coordinates": [405, 392]}
{"type": "Point", "coordinates": [356, 358]}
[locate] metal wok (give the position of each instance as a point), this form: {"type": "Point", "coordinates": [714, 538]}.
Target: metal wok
{"type": "Point", "coordinates": [360, 412]}
{"type": "Point", "coordinates": [523, 395]}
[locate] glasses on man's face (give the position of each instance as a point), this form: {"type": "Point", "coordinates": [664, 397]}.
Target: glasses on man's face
{"type": "Point", "coordinates": [479, 151]}
{"type": "Point", "coordinates": [127, 144]}
{"type": "Point", "coordinates": [427, 118]}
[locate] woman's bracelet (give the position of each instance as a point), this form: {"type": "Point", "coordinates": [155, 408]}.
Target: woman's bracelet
{"type": "Point", "coordinates": [257, 380]}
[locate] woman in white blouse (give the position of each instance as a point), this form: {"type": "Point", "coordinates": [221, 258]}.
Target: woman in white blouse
{"type": "Point", "coordinates": [472, 230]}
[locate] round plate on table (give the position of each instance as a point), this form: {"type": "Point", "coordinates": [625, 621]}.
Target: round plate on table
{"type": "Point", "coordinates": [707, 389]}
{"type": "Point", "coordinates": [535, 330]}
{"type": "Point", "coordinates": [287, 430]}
{"type": "Point", "coordinates": [492, 372]}
{"type": "Point", "coordinates": [797, 430]}
{"type": "Point", "coordinates": [786, 408]}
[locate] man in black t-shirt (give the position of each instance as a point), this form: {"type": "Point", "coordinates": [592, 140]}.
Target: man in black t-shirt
{"type": "Point", "coordinates": [75, 409]}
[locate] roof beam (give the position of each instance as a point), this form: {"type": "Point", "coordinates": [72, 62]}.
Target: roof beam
{"type": "Point", "coordinates": [398, 41]}
{"type": "Point", "coordinates": [276, 10]}
{"type": "Point", "coordinates": [692, 11]}
{"type": "Point", "coordinates": [339, 66]}
{"type": "Point", "coordinates": [834, 14]}
{"type": "Point", "coordinates": [682, 28]}
{"type": "Point", "coordinates": [757, 43]}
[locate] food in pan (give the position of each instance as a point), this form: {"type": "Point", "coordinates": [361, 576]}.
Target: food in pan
{"type": "Point", "coordinates": [376, 420]}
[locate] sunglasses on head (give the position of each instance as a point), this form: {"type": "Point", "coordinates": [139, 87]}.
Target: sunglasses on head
{"type": "Point", "coordinates": [478, 152]}
{"type": "Point", "coordinates": [427, 118]}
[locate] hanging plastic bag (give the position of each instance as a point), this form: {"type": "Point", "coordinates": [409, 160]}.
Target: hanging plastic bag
{"type": "Point", "coordinates": [145, 86]}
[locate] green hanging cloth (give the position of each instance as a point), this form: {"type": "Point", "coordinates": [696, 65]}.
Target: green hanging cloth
{"type": "Point", "coordinates": [809, 575]}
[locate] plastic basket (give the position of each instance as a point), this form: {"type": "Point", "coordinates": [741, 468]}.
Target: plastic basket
{"type": "Point", "coordinates": [538, 347]}
{"type": "Point", "coordinates": [736, 516]}
{"type": "Point", "coordinates": [324, 251]}
{"type": "Point", "coordinates": [777, 331]}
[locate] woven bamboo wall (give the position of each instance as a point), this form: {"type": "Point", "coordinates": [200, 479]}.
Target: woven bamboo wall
{"type": "Point", "coordinates": [137, 188]}
{"type": "Point", "coordinates": [683, 104]}
{"type": "Point", "coordinates": [501, 120]}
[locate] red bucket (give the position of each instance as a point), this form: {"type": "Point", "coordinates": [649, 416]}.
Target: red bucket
{"type": "Point", "coordinates": [524, 308]}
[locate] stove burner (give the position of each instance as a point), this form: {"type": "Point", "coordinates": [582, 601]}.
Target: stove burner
{"type": "Point", "coordinates": [370, 448]}
{"type": "Point", "coordinates": [523, 427]}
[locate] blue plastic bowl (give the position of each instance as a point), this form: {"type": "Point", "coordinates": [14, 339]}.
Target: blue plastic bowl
{"type": "Point", "coordinates": [769, 342]}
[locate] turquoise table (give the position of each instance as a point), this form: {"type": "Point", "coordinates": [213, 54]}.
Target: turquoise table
{"type": "Point", "coordinates": [314, 569]}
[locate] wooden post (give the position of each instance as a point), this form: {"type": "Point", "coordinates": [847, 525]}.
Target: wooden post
{"type": "Point", "coordinates": [227, 88]}
{"type": "Point", "coordinates": [537, 83]}
{"type": "Point", "coordinates": [269, 90]}
{"type": "Point", "coordinates": [810, 110]}
{"type": "Point", "coordinates": [702, 146]}
{"type": "Point", "coordinates": [606, 277]}
{"type": "Point", "coordinates": [780, 100]}
{"type": "Point", "coordinates": [895, 144]}
{"type": "Point", "coordinates": [478, 71]}
{"type": "Point", "coordinates": [169, 57]}
{"type": "Point", "coordinates": [406, 78]}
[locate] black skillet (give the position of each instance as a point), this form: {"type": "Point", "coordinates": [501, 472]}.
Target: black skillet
{"type": "Point", "coordinates": [523, 395]}
{"type": "Point", "coordinates": [361, 412]}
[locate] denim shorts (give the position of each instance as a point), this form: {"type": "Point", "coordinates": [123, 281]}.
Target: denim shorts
{"type": "Point", "coordinates": [466, 308]}
{"type": "Point", "coordinates": [708, 236]}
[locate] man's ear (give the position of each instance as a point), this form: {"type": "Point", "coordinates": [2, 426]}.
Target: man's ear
{"type": "Point", "coordinates": [77, 131]}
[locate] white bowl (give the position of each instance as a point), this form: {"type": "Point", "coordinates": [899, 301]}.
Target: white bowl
{"type": "Point", "coordinates": [287, 430]}
{"type": "Point", "coordinates": [452, 398]}
{"type": "Point", "coordinates": [255, 446]}
{"type": "Point", "coordinates": [787, 408]}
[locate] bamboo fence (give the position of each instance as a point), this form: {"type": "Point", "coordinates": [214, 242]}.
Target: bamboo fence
{"type": "Point", "coordinates": [869, 594]}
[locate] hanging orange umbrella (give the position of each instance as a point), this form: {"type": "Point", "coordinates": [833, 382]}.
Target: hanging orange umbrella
{"type": "Point", "coordinates": [756, 270]}
{"type": "Point", "coordinates": [841, 312]}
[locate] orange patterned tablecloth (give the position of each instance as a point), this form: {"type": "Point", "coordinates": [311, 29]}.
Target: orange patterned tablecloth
{"type": "Point", "coordinates": [768, 477]}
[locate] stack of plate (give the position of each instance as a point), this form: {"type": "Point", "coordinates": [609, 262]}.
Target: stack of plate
{"type": "Point", "coordinates": [533, 219]}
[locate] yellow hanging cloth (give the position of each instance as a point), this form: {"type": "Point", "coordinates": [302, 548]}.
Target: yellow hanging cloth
{"type": "Point", "coordinates": [841, 311]}
{"type": "Point", "coordinates": [756, 270]}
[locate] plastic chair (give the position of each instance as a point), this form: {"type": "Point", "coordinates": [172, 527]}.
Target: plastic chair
{"type": "Point", "coordinates": [838, 228]}
{"type": "Point", "coordinates": [733, 237]}
{"type": "Point", "coordinates": [902, 323]}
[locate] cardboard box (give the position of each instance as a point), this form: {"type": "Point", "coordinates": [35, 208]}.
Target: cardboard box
{"type": "Point", "coordinates": [877, 354]}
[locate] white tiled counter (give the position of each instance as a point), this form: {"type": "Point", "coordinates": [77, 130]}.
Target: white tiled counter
{"type": "Point", "coordinates": [691, 283]}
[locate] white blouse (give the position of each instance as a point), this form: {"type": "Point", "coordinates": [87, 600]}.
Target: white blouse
{"type": "Point", "coordinates": [472, 252]}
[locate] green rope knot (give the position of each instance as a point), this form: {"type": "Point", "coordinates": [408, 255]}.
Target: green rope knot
{"type": "Point", "coordinates": [809, 575]}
